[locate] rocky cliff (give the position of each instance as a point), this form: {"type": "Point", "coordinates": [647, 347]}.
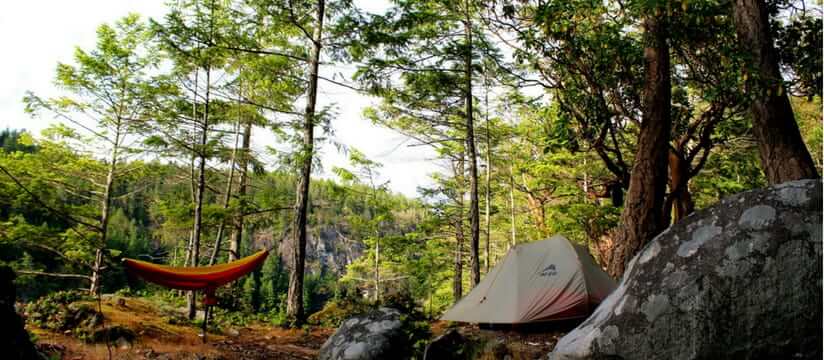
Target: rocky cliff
{"type": "Point", "coordinates": [328, 248]}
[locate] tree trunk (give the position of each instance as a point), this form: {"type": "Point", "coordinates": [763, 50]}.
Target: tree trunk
{"type": "Point", "coordinates": [377, 269]}
{"type": "Point", "coordinates": [474, 218]}
{"type": "Point", "coordinates": [457, 281]}
{"type": "Point", "coordinates": [226, 196]}
{"type": "Point", "coordinates": [106, 204]}
{"type": "Point", "coordinates": [679, 204]}
{"type": "Point", "coordinates": [294, 298]}
{"type": "Point", "coordinates": [488, 192]}
{"type": "Point", "coordinates": [784, 157]}
{"type": "Point", "coordinates": [243, 183]}
{"type": "Point", "coordinates": [201, 190]}
{"type": "Point", "coordinates": [192, 182]}
{"type": "Point", "coordinates": [642, 216]}
{"type": "Point", "coordinates": [512, 240]}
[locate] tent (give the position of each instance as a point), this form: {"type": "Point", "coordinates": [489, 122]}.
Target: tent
{"type": "Point", "coordinates": [546, 280]}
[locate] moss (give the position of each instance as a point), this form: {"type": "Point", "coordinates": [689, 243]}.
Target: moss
{"type": "Point", "coordinates": [335, 313]}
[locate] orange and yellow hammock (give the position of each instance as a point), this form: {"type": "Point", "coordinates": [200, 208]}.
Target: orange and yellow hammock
{"type": "Point", "coordinates": [205, 278]}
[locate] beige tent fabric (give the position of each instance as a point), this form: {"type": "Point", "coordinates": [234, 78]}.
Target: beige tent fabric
{"type": "Point", "coordinates": [544, 280]}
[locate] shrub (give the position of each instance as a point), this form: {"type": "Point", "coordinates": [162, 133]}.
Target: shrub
{"type": "Point", "coordinates": [335, 312]}
{"type": "Point", "coordinates": [62, 311]}
{"type": "Point", "coordinates": [53, 311]}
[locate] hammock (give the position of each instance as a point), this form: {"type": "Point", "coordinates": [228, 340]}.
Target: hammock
{"type": "Point", "coordinates": [205, 278]}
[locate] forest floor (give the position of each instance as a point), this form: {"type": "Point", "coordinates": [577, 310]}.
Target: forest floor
{"type": "Point", "coordinates": [159, 333]}
{"type": "Point", "coordinates": [512, 343]}
{"type": "Point", "coordinates": [156, 337]}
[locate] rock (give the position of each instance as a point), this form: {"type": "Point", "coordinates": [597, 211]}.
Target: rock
{"type": "Point", "coordinates": [233, 332]}
{"type": "Point", "coordinates": [741, 279]}
{"type": "Point", "coordinates": [113, 333]}
{"type": "Point", "coordinates": [450, 345]}
{"type": "Point", "coordinates": [378, 334]}
{"type": "Point", "coordinates": [123, 344]}
{"type": "Point", "coordinates": [14, 340]}
{"type": "Point", "coordinates": [496, 349]}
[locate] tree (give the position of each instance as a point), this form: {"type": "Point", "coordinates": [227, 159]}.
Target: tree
{"type": "Point", "coordinates": [589, 58]}
{"type": "Point", "coordinates": [111, 85]}
{"type": "Point", "coordinates": [431, 45]}
{"type": "Point", "coordinates": [187, 36]}
{"type": "Point", "coordinates": [243, 184]}
{"type": "Point", "coordinates": [294, 300]}
{"type": "Point", "coordinates": [784, 157]}
{"type": "Point", "coordinates": [642, 217]}
{"type": "Point", "coordinates": [371, 225]}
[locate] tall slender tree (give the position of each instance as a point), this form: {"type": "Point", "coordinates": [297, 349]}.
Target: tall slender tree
{"type": "Point", "coordinates": [409, 66]}
{"type": "Point", "coordinates": [294, 298]}
{"type": "Point", "coordinates": [111, 85]}
{"type": "Point", "coordinates": [187, 35]}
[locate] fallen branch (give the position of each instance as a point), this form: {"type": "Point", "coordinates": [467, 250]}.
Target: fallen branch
{"type": "Point", "coordinates": [71, 276]}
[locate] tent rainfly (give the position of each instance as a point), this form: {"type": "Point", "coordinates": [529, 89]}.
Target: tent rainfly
{"type": "Point", "coordinates": [546, 280]}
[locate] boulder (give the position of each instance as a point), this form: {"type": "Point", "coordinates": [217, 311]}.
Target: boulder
{"type": "Point", "coordinates": [377, 334]}
{"type": "Point", "coordinates": [14, 340]}
{"type": "Point", "coordinates": [450, 345]}
{"type": "Point", "coordinates": [739, 280]}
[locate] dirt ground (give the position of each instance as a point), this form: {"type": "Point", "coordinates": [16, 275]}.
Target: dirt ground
{"type": "Point", "coordinates": [516, 343]}
{"type": "Point", "coordinates": [156, 338]}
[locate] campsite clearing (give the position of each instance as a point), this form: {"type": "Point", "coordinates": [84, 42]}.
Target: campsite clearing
{"type": "Point", "coordinates": [157, 338]}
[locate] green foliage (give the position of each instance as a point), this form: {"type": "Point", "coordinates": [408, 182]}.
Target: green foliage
{"type": "Point", "coordinates": [336, 311]}
{"type": "Point", "coordinates": [559, 159]}
{"type": "Point", "coordinates": [810, 121]}
{"type": "Point", "coordinates": [799, 47]}
{"type": "Point", "coordinates": [16, 140]}
{"type": "Point", "coordinates": [64, 311]}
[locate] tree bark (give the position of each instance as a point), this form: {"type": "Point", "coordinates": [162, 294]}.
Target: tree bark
{"type": "Point", "coordinates": [642, 216]}
{"type": "Point", "coordinates": [512, 233]}
{"type": "Point", "coordinates": [106, 201]}
{"type": "Point", "coordinates": [294, 298]}
{"type": "Point", "coordinates": [377, 269]}
{"type": "Point", "coordinates": [57, 275]}
{"type": "Point", "coordinates": [201, 190]}
{"type": "Point", "coordinates": [679, 204]}
{"type": "Point", "coordinates": [192, 182]}
{"type": "Point", "coordinates": [784, 157]}
{"type": "Point", "coordinates": [243, 183]}
{"type": "Point", "coordinates": [226, 196]}
{"type": "Point", "coordinates": [457, 281]}
{"type": "Point", "coordinates": [474, 216]}
{"type": "Point", "coordinates": [488, 191]}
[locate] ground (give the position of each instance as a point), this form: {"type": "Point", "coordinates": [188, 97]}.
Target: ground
{"type": "Point", "coordinates": [160, 333]}
{"type": "Point", "coordinates": [158, 337]}
{"type": "Point", "coordinates": [533, 342]}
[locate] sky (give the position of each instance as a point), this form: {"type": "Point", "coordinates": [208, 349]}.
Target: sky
{"type": "Point", "coordinates": [37, 34]}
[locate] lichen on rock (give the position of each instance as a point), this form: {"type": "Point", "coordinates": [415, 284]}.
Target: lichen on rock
{"type": "Point", "coordinates": [741, 279]}
{"type": "Point", "coordinates": [381, 333]}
